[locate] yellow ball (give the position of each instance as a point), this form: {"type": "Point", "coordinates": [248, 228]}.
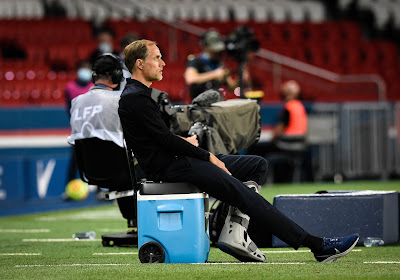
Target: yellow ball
{"type": "Point", "coordinates": [77, 189]}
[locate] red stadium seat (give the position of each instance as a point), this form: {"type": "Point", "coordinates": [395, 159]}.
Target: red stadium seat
{"type": "Point", "coordinates": [387, 52]}
{"type": "Point", "coordinates": [36, 53]}
{"type": "Point", "coordinates": [294, 33]}
{"type": "Point", "coordinates": [83, 50]}
{"type": "Point", "coordinates": [62, 57]}
{"type": "Point", "coordinates": [351, 31]}
{"type": "Point", "coordinates": [314, 32]}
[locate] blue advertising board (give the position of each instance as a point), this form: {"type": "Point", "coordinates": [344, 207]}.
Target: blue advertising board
{"type": "Point", "coordinates": [32, 177]}
{"type": "Point", "coordinates": [47, 176]}
{"type": "Point", "coordinates": [12, 187]}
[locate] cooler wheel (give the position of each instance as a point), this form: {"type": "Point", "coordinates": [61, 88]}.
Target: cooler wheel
{"type": "Point", "coordinates": [151, 252]}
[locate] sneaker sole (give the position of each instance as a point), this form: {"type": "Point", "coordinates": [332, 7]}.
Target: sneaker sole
{"type": "Point", "coordinates": [236, 253]}
{"type": "Point", "coordinates": [334, 258]}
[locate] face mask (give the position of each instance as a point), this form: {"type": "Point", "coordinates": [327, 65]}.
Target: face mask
{"type": "Point", "coordinates": [206, 55]}
{"type": "Point", "coordinates": [84, 75]}
{"type": "Point", "coordinates": [105, 47]}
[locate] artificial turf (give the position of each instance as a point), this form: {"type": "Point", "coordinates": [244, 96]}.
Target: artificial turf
{"type": "Point", "coordinates": [31, 248]}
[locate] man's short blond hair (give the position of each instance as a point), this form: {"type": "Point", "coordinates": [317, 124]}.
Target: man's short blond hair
{"type": "Point", "coordinates": [136, 50]}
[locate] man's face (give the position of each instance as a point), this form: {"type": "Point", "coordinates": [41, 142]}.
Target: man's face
{"type": "Point", "coordinates": [153, 64]}
{"type": "Point", "coordinates": [105, 37]}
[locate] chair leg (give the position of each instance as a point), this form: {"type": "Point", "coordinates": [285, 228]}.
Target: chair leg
{"type": "Point", "coordinates": [270, 174]}
{"type": "Point", "coordinates": [296, 170]}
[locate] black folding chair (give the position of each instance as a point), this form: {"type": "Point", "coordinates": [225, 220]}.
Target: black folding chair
{"type": "Point", "coordinates": [103, 163]}
{"type": "Point", "coordinates": [106, 165]}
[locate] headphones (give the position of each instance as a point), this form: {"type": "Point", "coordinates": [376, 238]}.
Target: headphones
{"type": "Point", "coordinates": [203, 37]}
{"type": "Point", "coordinates": [117, 74]}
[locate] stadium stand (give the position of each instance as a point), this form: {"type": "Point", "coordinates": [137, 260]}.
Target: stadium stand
{"type": "Point", "coordinates": [335, 58]}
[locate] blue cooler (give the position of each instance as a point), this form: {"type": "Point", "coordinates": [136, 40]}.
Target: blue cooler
{"type": "Point", "coordinates": [172, 223]}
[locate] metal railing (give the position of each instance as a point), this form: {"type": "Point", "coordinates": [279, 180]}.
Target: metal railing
{"type": "Point", "coordinates": [279, 60]}
{"type": "Point", "coordinates": [355, 140]}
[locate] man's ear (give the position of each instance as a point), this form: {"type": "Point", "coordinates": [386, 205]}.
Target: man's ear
{"type": "Point", "coordinates": [139, 64]}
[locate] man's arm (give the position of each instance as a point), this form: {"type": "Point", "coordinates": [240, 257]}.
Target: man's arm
{"type": "Point", "coordinates": [147, 113]}
{"type": "Point", "coordinates": [184, 146]}
{"type": "Point", "coordinates": [278, 130]}
{"type": "Point", "coordinates": [192, 140]}
{"type": "Point", "coordinates": [283, 122]}
{"type": "Point", "coordinates": [192, 76]}
{"type": "Point", "coordinates": [214, 160]}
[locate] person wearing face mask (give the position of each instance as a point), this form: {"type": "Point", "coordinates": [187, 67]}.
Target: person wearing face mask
{"type": "Point", "coordinates": [105, 40]}
{"type": "Point", "coordinates": [80, 85]}
{"type": "Point", "coordinates": [206, 70]}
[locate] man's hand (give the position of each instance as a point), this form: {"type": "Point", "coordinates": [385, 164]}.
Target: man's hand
{"type": "Point", "coordinates": [214, 160]}
{"type": "Point", "coordinates": [192, 140]}
{"type": "Point", "coordinates": [220, 73]}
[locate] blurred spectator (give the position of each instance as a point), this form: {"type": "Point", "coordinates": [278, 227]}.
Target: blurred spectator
{"type": "Point", "coordinates": [289, 134]}
{"type": "Point", "coordinates": [80, 85]}
{"type": "Point", "coordinates": [206, 71]}
{"type": "Point", "coordinates": [105, 40]}
{"type": "Point", "coordinates": [74, 88]}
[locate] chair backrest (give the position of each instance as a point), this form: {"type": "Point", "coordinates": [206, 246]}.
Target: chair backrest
{"type": "Point", "coordinates": [103, 163]}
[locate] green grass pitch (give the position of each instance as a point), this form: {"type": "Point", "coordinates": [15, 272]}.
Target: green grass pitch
{"type": "Point", "coordinates": [41, 247]}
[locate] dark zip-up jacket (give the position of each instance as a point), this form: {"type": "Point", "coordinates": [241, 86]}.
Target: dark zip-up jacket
{"type": "Point", "coordinates": [153, 144]}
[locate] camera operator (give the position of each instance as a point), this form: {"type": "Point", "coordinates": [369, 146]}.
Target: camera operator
{"type": "Point", "coordinates": [206, 71]}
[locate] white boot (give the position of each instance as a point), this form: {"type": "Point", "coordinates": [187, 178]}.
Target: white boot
{"type": "Point", "coordinates": [234, 239]}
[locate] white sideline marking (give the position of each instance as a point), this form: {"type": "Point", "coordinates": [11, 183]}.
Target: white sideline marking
{"type": "Point", "coordinates": [58, 240]}
{"type": "Point", "coordinates": [103, 215]}
{"type": "Point", "coordinates": [112, 230]}
{"type": "Point", "coordinates": [120, 264]}
{"type": "Point", "coordinates": [284, 252]}
{"type": "Point", "coordinates": [383, 262]}
{"type": "Point", "coordinates": [74, 264]}
{"type": "Point", "coordinates": [25, 230]}
{"type": "Point", "coordinates": [20, 254]}
{"type": "Point", "coordinates": [124, 253]}
{"type": "Point", "coordinates": [300, 251]}
{"type": "Point", "coordinates": [244, 263]}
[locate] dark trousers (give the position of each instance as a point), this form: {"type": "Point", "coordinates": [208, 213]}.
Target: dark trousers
{"type": "Point", "coordinates": [230, 189]}
{"type": "Point", "coordinates": [127, 207]}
